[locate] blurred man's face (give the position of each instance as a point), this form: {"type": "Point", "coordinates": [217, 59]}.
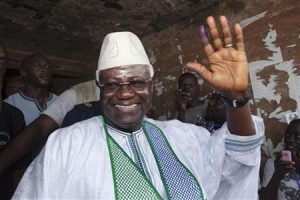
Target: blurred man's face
{"type": "Point", "coordinates": [38, 73]}
{"type": "Point", "coordinates": [190, 88]}
{"type": "Point", "coordinates": [292, 143]}
{"type": "Point", "coordinates": [216, 109]}
{"type": "Point", "coordinates": [126, 96]}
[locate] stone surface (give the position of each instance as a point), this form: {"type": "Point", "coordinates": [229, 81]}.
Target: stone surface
{"type": "Point", "coordinates": [74, 29]}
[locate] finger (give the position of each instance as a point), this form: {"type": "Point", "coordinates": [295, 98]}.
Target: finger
{"type": "Point", "coordinates": [214, 32]}
{"type": "Point", "coordinates": [200, 69]}
{"type": "Point", "coordinates": [226, 31]}
{"type": "Point", "coordinates": [208, 49]}
{"type": "Point", "coordinates": [238, 31]}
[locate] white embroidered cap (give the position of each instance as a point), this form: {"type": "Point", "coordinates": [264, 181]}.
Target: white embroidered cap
{"type": "Point", "coordinates": [120, 49]}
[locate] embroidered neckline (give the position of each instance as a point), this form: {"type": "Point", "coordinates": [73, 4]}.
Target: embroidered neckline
{"type": "Point", "coordinates": [119, 132]}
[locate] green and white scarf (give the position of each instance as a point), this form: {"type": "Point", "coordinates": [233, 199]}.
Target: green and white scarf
{"type": "Point", "coordinates": [131, 183]}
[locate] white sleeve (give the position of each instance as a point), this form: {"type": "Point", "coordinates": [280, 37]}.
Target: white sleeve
{"type": "Point", "coordinates": [63, 104]}
{"type": "Point", "coordinates": [239, 168]}
{"type": "Point", "coordinates": [40, 179]}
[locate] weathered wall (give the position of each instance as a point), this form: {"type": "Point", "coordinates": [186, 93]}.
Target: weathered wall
{"type": "Point", "coordinates": [272, 34]}
{"type": "Point", "coordinates": [69, 32]}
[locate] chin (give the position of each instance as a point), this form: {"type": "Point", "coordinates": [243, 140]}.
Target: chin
{"type": "Point", "coordinates": [130, 122]}
{"type": "Point", "coordinates": [129, 126]}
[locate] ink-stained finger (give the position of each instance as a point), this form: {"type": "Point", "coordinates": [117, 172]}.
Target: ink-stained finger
{"type": "Point", "coordinates": [208, 49]}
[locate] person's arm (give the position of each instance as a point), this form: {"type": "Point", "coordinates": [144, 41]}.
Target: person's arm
{"type": "Point", "coordinates": [40, 181]}
{"type": "Point", "coordinates": [270, 191]}
{"type": "Point", "coordinates": [26, 141]}
{"type": "Point", "coordinates": [19, 121]}
{"type": "Point", "coordinates": [227, 71]}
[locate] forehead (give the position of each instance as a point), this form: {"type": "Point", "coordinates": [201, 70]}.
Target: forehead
{"type": "Point", "coordinates": [188, 81]}
{"type": "Point", "coordinates": [127, 71]}
{"type": "Point", "coordinates": [39, 59]}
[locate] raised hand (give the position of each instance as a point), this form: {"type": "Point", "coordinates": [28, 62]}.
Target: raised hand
{"type": "Point", "coordinates": [228, 67]}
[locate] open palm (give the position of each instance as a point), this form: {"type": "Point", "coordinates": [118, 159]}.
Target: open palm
{"type": "Point", "coordinates": [228, 67]}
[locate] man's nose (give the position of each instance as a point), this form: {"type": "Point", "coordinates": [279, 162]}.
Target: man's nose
{"type": "Point", "coordinates": [125, 91]}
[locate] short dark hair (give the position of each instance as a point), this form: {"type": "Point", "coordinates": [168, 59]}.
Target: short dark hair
{"type": "Point", "coordinates": [186, 75]}
{"type": "Point", "coordinates": [29, 59]}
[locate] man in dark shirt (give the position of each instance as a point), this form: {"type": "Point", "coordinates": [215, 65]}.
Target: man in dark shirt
{"type": "Point", "coordinates": [11, 122]}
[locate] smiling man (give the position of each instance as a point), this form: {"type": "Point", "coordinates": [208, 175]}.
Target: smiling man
{"type": "Point", "coordinates": [124, 155]}
{"type": "Point", "coordinates": [124, 109]}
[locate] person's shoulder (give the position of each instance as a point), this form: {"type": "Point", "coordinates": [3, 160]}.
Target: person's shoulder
{"type": "Point", "coordinates": [8, 108]}
{"type": "Point", "coordinates": [12, 97]}
{"type": "Point", "coordinates": [81, 133]}
{"type": "Point", "coordinates": [187, 134]}
{"type": "Point", "coordinates": [93, 122]}
{"type": "Point", "coordinates": [53, 95]}
{"type": "Point", "coordinates": [69, 93]}
{"type": "Point", "coordinates": [12, 112]}
{"type": "Point", "coordinates": [174, 126]}
{"type": "Point", "coordinates": [164, 123]}
{"type": "Point", "coordinates": [85, 127]}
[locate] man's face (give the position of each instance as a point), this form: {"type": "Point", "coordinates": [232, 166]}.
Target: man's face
{"type": "Point", "coordinates": [190, 87]}
{"type": "Point", "coordinates": [292, 142]}
{"type": "Point", "coordinates": [124, 106]}
{"type": "Point", "coordinates": [216, 109]}
{"type": "Point", "coordinates": [38, 73]}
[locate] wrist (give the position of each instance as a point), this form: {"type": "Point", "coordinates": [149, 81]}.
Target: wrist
{"type": "Point", "coordinates": [237, 102]}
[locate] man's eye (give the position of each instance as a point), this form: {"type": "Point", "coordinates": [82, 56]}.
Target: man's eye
{"type": "Point", "coordinates": [138, 84]}
{"type": "Point", "coordinates": [111, 85]}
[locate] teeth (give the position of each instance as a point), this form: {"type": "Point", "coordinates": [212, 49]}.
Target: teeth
{"type": "Point", "coordinates": [127, 107]}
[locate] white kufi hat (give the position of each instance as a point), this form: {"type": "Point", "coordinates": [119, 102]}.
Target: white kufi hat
{"type": "Point", "coordinates": [121, 49]}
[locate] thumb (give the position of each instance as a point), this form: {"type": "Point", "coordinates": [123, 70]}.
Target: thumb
{"type": "Point", "coordinates": [200, 69]}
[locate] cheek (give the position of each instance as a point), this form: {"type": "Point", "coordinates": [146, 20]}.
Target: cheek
{"type": "Point", "coordinates": [104, 100]}
{"type": "Point", "coordinates": [148, 96]}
